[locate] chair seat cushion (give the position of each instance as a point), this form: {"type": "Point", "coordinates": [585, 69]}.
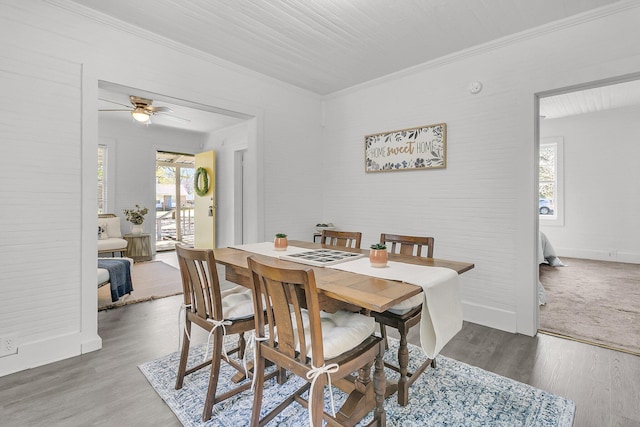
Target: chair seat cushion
{"type": "Point", "coordinates": [237, 303]}
{"type": "Point", "coordinates": [103, 275]}
{"type": "Point", "coordinates": [407, 305]}
{"type": "Point", "coordinates": [112, 244]}
{"type": "Point", "coordinates": [341, 331]}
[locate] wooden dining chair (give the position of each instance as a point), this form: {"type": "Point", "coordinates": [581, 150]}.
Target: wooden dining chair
{"type": "Point", "coordinates": [208, 307]}
{"type": "Point", "coordinates": [407, 314]}
{"type": "Point", "coordinates": [348, 239]}
{"type": "Point", "coordinates": [301, 337]}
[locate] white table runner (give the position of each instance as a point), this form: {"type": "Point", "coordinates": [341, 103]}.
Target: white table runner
{"type": "Point", "coordinates": [441, 308]}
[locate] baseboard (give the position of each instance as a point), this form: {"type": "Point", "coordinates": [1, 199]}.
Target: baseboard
{"type": "Point", "coordinates": [92, 344]}
{"type": "Point", "coordinates": [612, 255]}
{"type": "Point", "coordinates": [489, 316]}
{"type": "Point", "coordinates": [32, 355]}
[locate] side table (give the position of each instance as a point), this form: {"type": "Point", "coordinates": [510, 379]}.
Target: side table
{"type": "Point", "coordinates": [138, 246]}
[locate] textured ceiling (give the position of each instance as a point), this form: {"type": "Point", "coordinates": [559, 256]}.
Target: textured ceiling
{"type": "Point", "coordinates": [328, 45]}
{"type": "Point", "coordinates": [601, 98]}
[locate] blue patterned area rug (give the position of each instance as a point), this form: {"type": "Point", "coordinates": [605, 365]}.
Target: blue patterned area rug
{"type": "Point", "coordinates": [453, 394]}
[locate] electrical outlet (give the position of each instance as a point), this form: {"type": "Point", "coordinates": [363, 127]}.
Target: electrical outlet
{"type": "Point", "coordinates": [8, 344]}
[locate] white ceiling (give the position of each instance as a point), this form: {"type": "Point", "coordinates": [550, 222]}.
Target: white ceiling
{"type": "Point", "coordinates": [600, 98]}
{"type": "Point", "coordinates": [329, 45]}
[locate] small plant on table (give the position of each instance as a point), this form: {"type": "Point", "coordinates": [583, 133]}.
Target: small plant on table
{"type": "Point", "coordinates": [280, 243]}
{"type": "Point", "coordinates": [378, 255]}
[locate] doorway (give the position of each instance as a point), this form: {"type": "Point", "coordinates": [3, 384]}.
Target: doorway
{"type": "Point", "coordinates": [175, 220]}
{"type": "Point", "coordinates": [593, 232]}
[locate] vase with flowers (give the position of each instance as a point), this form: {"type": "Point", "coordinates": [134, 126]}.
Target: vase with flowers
{"type": "Point", "coordinates": [136, 218]}
{"type": "Point", "coordinates": [378, 255]}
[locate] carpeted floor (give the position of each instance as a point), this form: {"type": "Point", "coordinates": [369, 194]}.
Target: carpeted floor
{"type": "Point", "coordinates": [453, 394]}
{"type": "Point", "coordinates": [597, 302]}
{"type": "Point", "coordinates": [151, 280]}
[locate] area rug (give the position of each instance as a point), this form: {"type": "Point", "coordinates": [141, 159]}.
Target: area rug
{"type": "Point", "coordinates": [151, 280]}
{"type": "Point", "coordinates": [596, 302]}
{"type": "Point", "coordinates": [453, 394]}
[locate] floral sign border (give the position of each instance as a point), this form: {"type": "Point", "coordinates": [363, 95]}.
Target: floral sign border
{"type": "Point", "coordinates": [423, 147]}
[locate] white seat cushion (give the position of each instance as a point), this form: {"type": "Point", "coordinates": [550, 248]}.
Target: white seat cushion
{"type": "Point", "coordinates": [407, 305]}
{"type": "Point", "coordinates": [341, 331]}
{"type": "Point", "coordinates": [237, 303]}
{"type": "Point", "coordinates": [103, 275]}
{"type": "Point", "coordinates": [112, 244]}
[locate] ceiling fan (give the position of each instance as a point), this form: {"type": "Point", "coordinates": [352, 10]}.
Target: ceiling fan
{"type": "Point", "coordinates": [142, 110]}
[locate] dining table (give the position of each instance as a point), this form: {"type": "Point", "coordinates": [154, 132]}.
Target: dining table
{"type": "Point", "coordinates": [341, 290]}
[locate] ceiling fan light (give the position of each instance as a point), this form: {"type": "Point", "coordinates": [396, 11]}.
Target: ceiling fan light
{"type": "Point", "coordinates": [140, 115]}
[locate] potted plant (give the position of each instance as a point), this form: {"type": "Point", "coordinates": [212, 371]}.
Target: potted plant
{"type": "Point", "coordinates": [280, 243]}
{"type": "Point", "coordinates": [136, 218]}
{"type": "Point", "coordinates": [378, 255]}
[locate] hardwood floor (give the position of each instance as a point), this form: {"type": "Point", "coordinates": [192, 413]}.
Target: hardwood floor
{"type": "Point", "coordinates": [105, 388]}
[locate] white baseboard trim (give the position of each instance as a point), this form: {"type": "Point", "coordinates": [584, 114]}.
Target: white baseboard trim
{"type": "Point", "coordinates": [612, 255]}
{"type": "Point", "coordinates": [34, 354]}
{"type": "Point", "coordinates": [492, 317]}
{"type": "Point", "coordinates": [92, 344]}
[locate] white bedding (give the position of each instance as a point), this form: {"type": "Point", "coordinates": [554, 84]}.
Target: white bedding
{"type": "Point", "coordinates": [546, 255]}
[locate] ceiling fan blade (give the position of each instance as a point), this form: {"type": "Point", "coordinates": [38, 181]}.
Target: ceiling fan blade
{"type": "Point", "coordinates": [120, 109]}
{"type": "Point", "coordinates": [172, 117]}
{"type": "Point", "coordinates": [114, 102]}
{"type": "Point", "coordinates": [159, 109]}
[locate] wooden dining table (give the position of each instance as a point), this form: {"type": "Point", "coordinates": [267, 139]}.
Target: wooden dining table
{"type": "Point", "coordinates": [342, 290]}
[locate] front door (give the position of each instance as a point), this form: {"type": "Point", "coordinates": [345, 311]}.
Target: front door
{"type": "Point", "coordinates": [205, 200]}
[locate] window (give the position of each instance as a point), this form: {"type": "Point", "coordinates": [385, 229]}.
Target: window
{"type": "Point", "coordinates": [550, 180]}
{"type": "Point", "coordinates": [102, 178]}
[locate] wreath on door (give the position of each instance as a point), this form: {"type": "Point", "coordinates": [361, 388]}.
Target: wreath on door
{"type": "Point", "coordinates": [201, 191]}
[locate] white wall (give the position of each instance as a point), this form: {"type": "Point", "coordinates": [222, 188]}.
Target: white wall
{"type": "Point", "coordinates": [483, 207]}
{"type": "Point", "coordinates": [226, 143]}
{"type": "Point", "coordinates": [602, 195]}
{"type": "Point", "coordinates": [53, 59]}
{"type": "Point", "coordinates": [131, 158]}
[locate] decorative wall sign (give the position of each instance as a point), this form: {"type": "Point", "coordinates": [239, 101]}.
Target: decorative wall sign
{"type": "Point", "coordinates": [423, 147]}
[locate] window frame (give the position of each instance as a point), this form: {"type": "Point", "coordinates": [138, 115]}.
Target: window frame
{"type": "Point", "coordinates": [557, 219]}
{"type": "Point", "coordinates": [105, 178]}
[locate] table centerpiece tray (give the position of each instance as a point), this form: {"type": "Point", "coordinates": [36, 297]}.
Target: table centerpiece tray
{"type": "Point", "coordinates": [322, 257]}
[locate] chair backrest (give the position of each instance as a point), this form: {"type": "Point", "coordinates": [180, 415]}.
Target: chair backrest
{"type": "Point", "coordinates": [286, 291]}
{"type": "Point", "coordinates": [107, 215]}
{"type": "Point", "coordinates": [409, 245]}
{"type": "Point", "coordinates": [200, 281]}
{"type": "Point", "coordinates": [348, 239]}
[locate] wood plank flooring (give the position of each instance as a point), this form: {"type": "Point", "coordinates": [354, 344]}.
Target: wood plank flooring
{"type": "Point", "coordinates": [105, 388]}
